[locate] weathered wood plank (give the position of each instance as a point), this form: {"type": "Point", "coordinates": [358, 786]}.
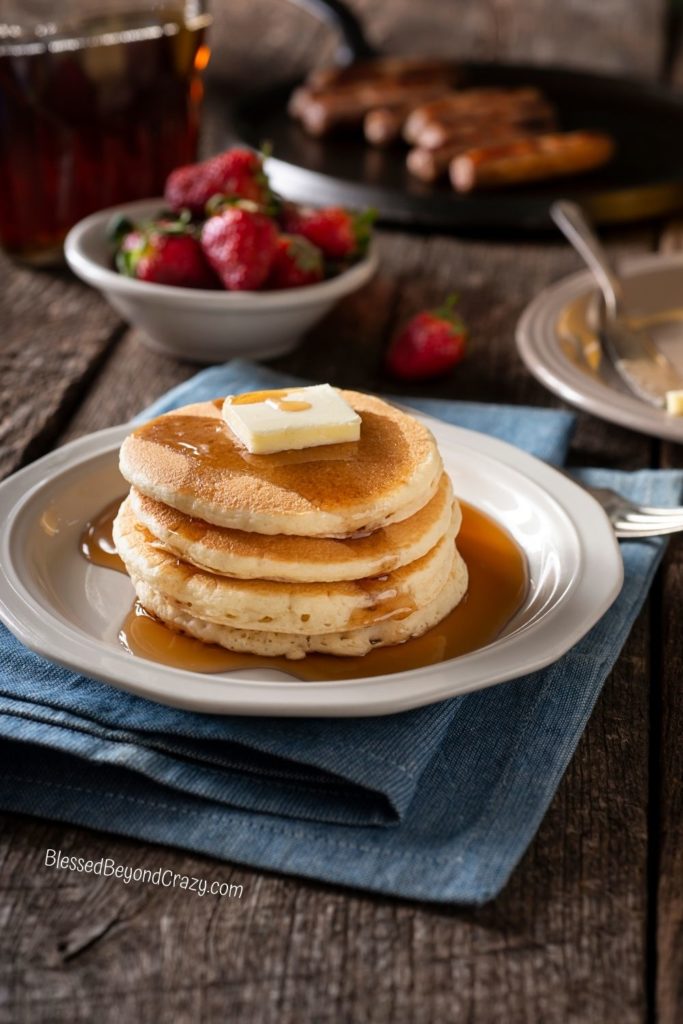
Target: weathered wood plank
{"type": "Point", "coordinates": [667, 727]}
{"type": "Point", "coordinates": [55, 332]}
{"type": "Point", "coordinates": [666, 738]}
{"type": "Point", "coordinates": [128, 381]}
{"type": "Point", "coordinates": [608, 36]}
{"type": "Point", "coordinates": [615, 35]}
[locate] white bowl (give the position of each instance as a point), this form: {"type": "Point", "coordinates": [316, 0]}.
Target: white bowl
{"type": "Point", "coordinates": [199, 324]}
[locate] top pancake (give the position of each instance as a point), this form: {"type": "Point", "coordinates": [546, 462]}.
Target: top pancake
{"type": "Point", "coordinates": [189, 459]}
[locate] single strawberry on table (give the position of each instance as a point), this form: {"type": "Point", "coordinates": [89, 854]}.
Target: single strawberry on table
{"type": "Point", "coordinates": [339, 233]}
{"type": "Point", "coordinates": [431, 343]}
{"type": "Point", "coordinates": [238, 173]}
{"type": "Point", "coordinates": [239, 242]}
{"type": "Point", "coordinates": [164, 252]}
{"type": "Point", "coordinates": [296, 262]}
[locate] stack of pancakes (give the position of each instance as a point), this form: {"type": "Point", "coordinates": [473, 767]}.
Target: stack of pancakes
{"type": "Point", "coordinates": [336, 549]}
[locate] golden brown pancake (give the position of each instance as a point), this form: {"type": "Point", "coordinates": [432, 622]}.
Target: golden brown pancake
{"type": "Point", "coordinates": [286, 557]}
{"type": "Point", "coordinates": [289, 607]}
{"type": "Point", "coordinates": [190, 460]}
{"type": "Point", "coordinates": [349, 643]}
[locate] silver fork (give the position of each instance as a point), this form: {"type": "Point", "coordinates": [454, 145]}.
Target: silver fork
{"type": "Point", "coordinates": [630, 520]}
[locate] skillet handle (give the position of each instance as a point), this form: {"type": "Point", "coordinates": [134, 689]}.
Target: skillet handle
{"type": "Point", "coordinates": [353, 45]}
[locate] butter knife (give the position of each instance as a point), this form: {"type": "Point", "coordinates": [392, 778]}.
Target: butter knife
{"type": "Point", "coordinates": [644, 369]}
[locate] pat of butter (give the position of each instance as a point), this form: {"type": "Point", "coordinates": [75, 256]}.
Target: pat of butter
{"type": "Point", "coordinates": [291, 418]}
{"type": "Point", "coordinates": [674, 403]}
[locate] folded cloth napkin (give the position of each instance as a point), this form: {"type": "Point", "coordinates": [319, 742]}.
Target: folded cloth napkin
{"type": "Point", "coordinates": [437, 803]}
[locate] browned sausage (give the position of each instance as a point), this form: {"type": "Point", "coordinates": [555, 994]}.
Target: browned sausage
{"type": "Point", "coordinates": [524, 120]}
{"type": "Point", "coordinates": [383, 125]}
{"type": "Point", "coordinates": [453, 106]}
{"type": "Point", "coordinates": [530, 159]}
{"type": "Point", "coordinates": [397, 68]}
{"type": "Point", "coordinates": [320, 113]}
{"type": "Point", "coordinates": [430, 164]}
{"type": "Point", "coordinates": [298, 100]}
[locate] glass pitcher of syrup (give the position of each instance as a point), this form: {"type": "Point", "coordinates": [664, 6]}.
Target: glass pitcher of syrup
{"type": "Point", "coordinates": [99, 100]}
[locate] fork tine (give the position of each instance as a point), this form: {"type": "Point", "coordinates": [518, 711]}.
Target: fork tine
{"type": "Point", "coordinates": [626, 529]}
{"type": "Point", "coordinates": [611, 499]}
{"type": "Point", "coordinates": [631, 520]}
{"type": "Point", "coordinates": [641, 516]}
{"type": "Point", "coordinates": [650, 510]}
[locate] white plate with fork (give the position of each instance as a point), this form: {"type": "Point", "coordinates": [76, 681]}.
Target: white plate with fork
{"type": "Point", "coordinates": [556, 341]}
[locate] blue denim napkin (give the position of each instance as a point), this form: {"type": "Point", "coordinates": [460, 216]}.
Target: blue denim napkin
{"type": "Point", "coordinates": [437, 803]}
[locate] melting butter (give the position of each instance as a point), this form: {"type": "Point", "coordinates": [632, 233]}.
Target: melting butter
{"type": "Point", "coordinates": [283, 419]}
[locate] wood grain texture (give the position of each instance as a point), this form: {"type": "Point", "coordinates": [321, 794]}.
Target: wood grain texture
{"type": "Point", "coordinates": [669, 815]}
{"type": "Point", "coordinates": [667, 841]}
{"type": "Point", "coordinates": [567, 941]}
{"type": "Point", "coordinates": [615, 35]}
{"type": "Point", "coordinates": [55, 333]}
{"type": "Point", "coordinates": [609, 35]}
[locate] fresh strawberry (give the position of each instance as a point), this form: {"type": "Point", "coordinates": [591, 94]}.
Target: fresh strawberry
{"type": "Point", "coordinates": [296, 262]}
{"type": "Point", "coordinates": [240, 244]}
{"type": "Point", "coordinates": [238, 173]}
{"type": "Point", "coordinates": [429, 344]}
{"type": "Point", "coordinates": [340, 234]}
{"type": "Point", "coordinates": [165, 252]}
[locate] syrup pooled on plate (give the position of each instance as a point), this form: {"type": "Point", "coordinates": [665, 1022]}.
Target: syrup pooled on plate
{"type": "Point", "coordinates": [97, 542]}
{"type": "Point", "coordinates": [497, 587]}
{"type": "Point", "coordinates": [581, 345]}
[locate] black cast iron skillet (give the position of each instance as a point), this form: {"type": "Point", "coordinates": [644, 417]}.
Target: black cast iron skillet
{"type": "Point", "coordinates": [645, 178]}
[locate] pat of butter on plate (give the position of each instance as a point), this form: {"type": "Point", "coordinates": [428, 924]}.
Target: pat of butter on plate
{"type": "Point", "coordinates": [674, 403]}
{"type": "Point", "coordinates": [283, 419]}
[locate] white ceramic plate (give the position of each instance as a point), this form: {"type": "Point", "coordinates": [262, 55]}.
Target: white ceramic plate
{"type": "Point", "coordinates": [71, 611]}
{"type": "Point", "coordinates": [651, 283]}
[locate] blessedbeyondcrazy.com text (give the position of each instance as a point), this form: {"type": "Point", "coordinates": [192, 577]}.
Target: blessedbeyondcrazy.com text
{"type": "Point", "coordinates": [163, 877]}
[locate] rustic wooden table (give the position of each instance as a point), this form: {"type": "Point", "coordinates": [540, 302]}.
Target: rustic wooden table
{"type": "Point", "coordinates": [590, 928]}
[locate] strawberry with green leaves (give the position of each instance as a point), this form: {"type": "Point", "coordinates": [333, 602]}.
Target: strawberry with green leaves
{"type": "Point", "coordinates": [430, 344]}
{"type": "Point", "coordinates": [163, 251]}
{"type": "Point", "coordinates": [340, 234]}
{"type": "Point", "coordinates": [296, 262]}
{"type": "Point", "coordinates": [239, 242]}
{"type": "Point", "coordinates": [235, 174]}
{"type": "Point", "coordinates": [226, 227]}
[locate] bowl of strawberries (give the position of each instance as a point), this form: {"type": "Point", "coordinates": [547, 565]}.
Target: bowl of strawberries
{"type": "Point", "coordinates": [221, 266]}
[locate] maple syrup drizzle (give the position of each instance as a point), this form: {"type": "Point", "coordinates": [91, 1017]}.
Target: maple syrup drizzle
{"type": "Point", "coordinates": [275, 397]}
{"type": "Point", "coordinates": [97, 542]}
{"type": "Point", "coordinates": [208, 440]}
{"type": "Point", "coordinates": [498, 584]}
{"type": "Point", "coordinates": [385, 602]}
